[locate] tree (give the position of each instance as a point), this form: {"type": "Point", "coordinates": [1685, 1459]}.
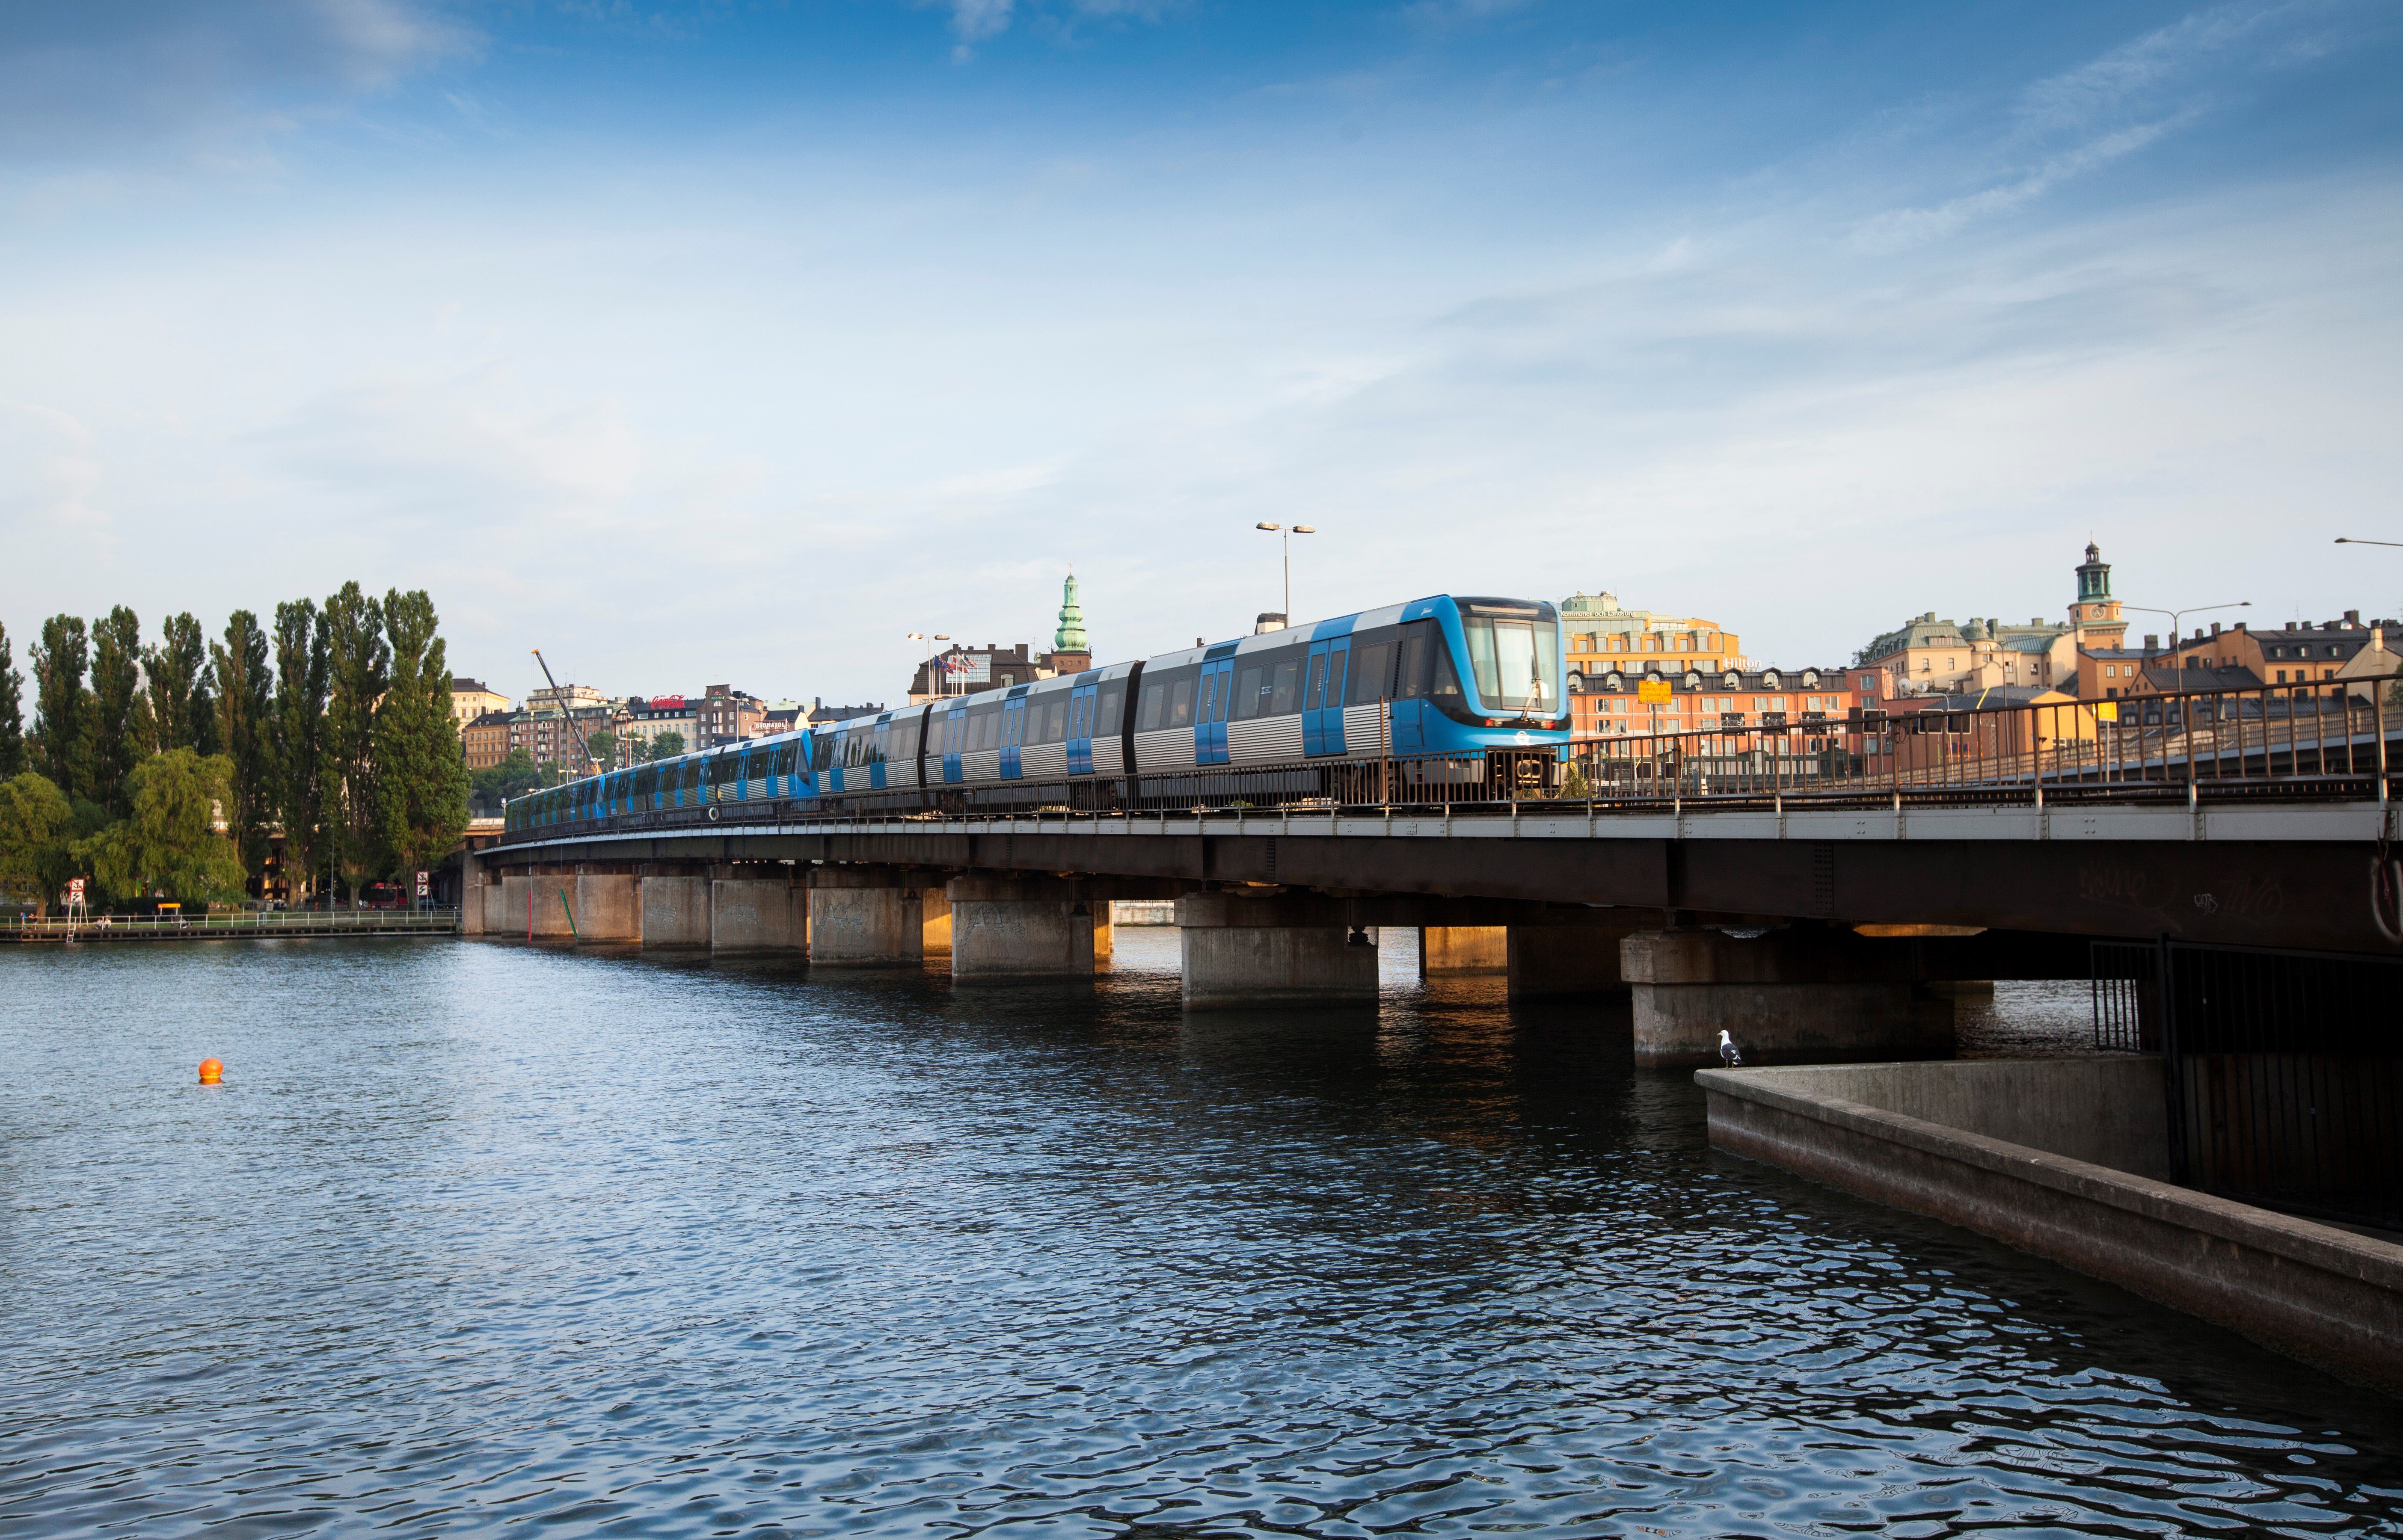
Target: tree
{"type": "Point", "coordinates": [60, 703]}
{"type": "Point", "coordinates": [168, 840]}
{"type": "Point", "coordinates": [12, 713]}
{"type": "Point", "coordinates": [603, 746]}
{"type": "Point", "coordinates": [119, 723]}
{"type": "Point", "coordinates": [36, 826]}
{"type": "Point", "coordinates": [358, 662]}
{"type": "Point", "coordinates": [514, 776]}
{"type": "Point", "coordinates": [182, 715]}
{"type": "Point", "coordinates": [666, 745]}
{"type": "Point", "coordinates": [245, 717]}
{"type": "Point", "coordinates": [421, 777]}
{"type": "Point", "coordinates": [298, 739]}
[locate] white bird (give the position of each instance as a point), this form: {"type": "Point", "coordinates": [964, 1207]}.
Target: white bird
{"type": "Point", "coordinates": [1729, 1055]}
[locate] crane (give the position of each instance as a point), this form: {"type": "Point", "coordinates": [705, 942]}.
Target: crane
{"type": "Point", "coordinates": [568, 715]}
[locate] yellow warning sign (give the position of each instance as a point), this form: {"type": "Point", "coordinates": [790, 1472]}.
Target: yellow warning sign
{"type": "Point", "coordinates": [1652, 691]}
{"type": "Point", "coordinates": [2107, 711]}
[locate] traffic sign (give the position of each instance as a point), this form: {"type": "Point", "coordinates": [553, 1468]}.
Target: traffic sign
{"type": "Point", "coordinates": [75, 890]}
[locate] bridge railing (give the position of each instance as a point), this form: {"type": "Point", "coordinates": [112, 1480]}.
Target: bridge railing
{"type": "Point", "coordinates": [2295, 743]}
{"type": "Point", "coordinates": [2296, 740]}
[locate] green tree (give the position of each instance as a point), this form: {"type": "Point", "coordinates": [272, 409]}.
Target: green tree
{"type": "Point", "coordinates": [514, 776]}
{"type": "Point", "coordinates": [359, 663]}
{"type": "Point", "coordinates": [35, 830]}
{"type": "Point", "coordinates": [61, 703]}
{"type": "Point", "coordinates": [667, 745]}
{"type": "Point", "coordinates": [245, 717]}
{"type": "Point", "coordinates": [603, 746]}
{"type": "Point", "coordinates": [297, 739]}
{"type": "Point", "coordinates": [12, 713]}
{"type": "Point", "coordinates": [168, 840]}
{"type": "Point", "coordinates": [120, 724]}
{"type": "Point", "coordinates": [421, 775]}
{"type": "Point", "coordinates": [182, 715]}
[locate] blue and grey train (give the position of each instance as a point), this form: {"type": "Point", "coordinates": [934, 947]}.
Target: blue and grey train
{"type": "Point", "coordinates": [1440, 695]}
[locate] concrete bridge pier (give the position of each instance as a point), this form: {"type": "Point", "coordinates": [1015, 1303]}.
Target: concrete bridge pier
{"type": "Point", "coordinates": [675, 911]}
{"type": "Point", "coordinates": [866, 916]}
{"type": "Point", "coordinates": [756, 913]}
{"type": "Point", "coordinates": [1792, 996]}
{"type": "Point", "coordinates": [1019, 927]}
{"type": "Point", "coordinates": [1570, 951]}
{"type": "Point", "coordinates": [1241, 952]}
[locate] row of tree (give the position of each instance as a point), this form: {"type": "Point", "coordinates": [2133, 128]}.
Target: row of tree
{"type": "Point", "coordinates": [331, 727]}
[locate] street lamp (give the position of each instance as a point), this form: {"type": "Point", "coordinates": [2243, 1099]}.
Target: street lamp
{"type": "Point", "coordinates": [2190, 609]}
{"type": "Point", "coordinates": [930, 641]}
{"type": "Point", "coordinates": [1288, 535]}
{"type": "Point", "coordinates": [2348, 540]}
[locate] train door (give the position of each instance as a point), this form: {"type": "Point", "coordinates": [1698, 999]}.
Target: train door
{"type": "Point", "coordinates": [1322, 696]}
{"type": "Point", "coordinates": [1013, 736]}
{"type": "Point", "coordinates": [955, 734]}
{"type": "Point", "coordinates": [877, 756]}
{"type": "Point", "coordinates": [1083, 702]}
{"type": "Point", "coordinates": [1216, 682]}
{"type": "Point", "coordinates": [1419, 639]}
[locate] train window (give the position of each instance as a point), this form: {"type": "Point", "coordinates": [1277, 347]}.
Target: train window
{"type": "Point", "coordinates": [1081, 718]}
{"type": "Point", "coordinates": [821, 750]}
{"type": "Point", "coordinates": [785, 758]}
{"type": "Point", "coordinates": [1312, 697]}
{"type": "Point", "coordinates": [1180, 702]}
{"type": "Point", "coordinates": [1410, 677]}
{"type": "Point", "coordinates": [855, 748]}
{"type": "Point", "coordinates": [1113, 703]}
{"type": "Point", "coordinates": [1251, 692]}
{"type": "Point", "coordinates": [1153, 707]}
{"type": "Point", "coordinates": [985, 732]}
{"type": "Point", "coordinates": [1446, 687]}
{"type": "Point", "coordinates": [1055, 717]}
{"type": "Point", "coordinates": [1208, 702]}
{"type": "Point", "coordinates": [1283, 689]}
{"type": "Point", "coordinates": [1372, 669]}
{"type": "Point", "coordinates": [904, 744]}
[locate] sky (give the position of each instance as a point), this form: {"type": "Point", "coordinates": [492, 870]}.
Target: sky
{"type": "Point", "coordinates": [731, 342]}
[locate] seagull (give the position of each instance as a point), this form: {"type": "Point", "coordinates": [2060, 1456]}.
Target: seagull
{"type": "Point", "coordinates": [1729, 1055]}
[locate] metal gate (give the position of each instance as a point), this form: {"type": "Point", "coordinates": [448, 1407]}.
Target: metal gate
{"type": "Point", "coordinates": [2284, 1070]}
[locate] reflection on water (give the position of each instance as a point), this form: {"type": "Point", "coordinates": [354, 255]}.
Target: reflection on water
{"type": "Point", "coordinates": [476, 1235]}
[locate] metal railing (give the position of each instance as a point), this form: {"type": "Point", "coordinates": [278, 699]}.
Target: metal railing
{"type": "Point", "coordinates": [2280, 742]}
{"type": "Point", "coordinates": [227, 924]}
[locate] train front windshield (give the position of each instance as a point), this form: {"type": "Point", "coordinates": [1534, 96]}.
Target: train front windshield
{"type": "Point", "coordinates": [1514, 653]}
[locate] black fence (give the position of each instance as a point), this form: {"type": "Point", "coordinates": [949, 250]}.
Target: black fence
{"type": "Point", "coordinates": [2284, 1070]}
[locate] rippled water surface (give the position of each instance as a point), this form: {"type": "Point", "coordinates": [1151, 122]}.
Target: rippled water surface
{"type": "Point", "coordinates": [479, 1239]}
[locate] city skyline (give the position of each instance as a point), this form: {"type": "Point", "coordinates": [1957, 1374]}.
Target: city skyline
{"type": "Point", "coordinates": [697, 346]}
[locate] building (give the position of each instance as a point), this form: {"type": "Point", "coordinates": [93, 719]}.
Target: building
{"type": "Point", "coordinates": [562, 696]}
{"type": "Point", "coordinates": [1702, 701]}
{"type": "Point", "coordinates": [485, 741]}
{"type": "Point", "coordinates": [727, 716]}
{"type": "Point", "coordinates": [960, 669]}
{"type": "Point", "coordinates": [2362, 673]}
{"type": "Point", "coordinates": [2297, 653]}
{"type": "Point", "coordinates": [1604, 637]}
{"type": "Point", "coordinates": [558, 738]}
{"type": "Point", "coordinates": [1927, 656]}
{"type": "Point", "coordinates": [647, 720]}
{"type": "Point", "coordinates": [470, 699]}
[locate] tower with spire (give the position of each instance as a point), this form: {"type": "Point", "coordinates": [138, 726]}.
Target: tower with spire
{"type": "Point", "coordinates": [1071, 653]}
{"type": "Point", "coordinates": [2095, 615]}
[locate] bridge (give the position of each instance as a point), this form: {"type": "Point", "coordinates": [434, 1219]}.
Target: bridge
{"type": "Point", "coordinates": [1808, 887]}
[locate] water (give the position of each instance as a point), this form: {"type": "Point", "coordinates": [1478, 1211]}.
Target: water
{"type": "Point", "coordinates": [478, 1239]}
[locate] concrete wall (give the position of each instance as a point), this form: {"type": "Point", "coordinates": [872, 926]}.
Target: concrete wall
{"type": "Point", "coordinates": [1565, 958]}
{"type": "Point", "coordinates": [2321, 1293]}
{"type": "Point", "coordinates": [865, 926]}
{"type": "Point", "coordinates": [934, 922]}
{"type": "Point", "coordinates": [1678, 1025]}
{"type": "Point", "coordinates": [1242, 952]}
{"type": "Point", "coordinates": [608, 908]}
{"type": "Point", "coordinates": [675, 911]}
{"type": "Point", "coordinates": [1143, 911]}
{"type": "Point", "coordinates": [537, 899]}
{"type": "Point", "coordinates": [1018, 928]}
{"type": "Point", "coordinates": [755, 915]}
{"type": "Point", "coordinates": [2106, 1111]}
{"type": "Point", "coordinates": [1464, 949]}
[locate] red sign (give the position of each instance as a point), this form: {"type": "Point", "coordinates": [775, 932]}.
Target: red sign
{"type": "Point", "coordinates": [75, 890]}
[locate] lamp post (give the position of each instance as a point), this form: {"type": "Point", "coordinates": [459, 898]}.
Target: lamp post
{"type": "Point", "coordinates": [2348, 540]}
{"type": "Point", "coordinates": [1286, 535]}
{"type": "Point", "coordinates": [930, 641]}
{"type": "Point", "coordinates": [2191, 609]}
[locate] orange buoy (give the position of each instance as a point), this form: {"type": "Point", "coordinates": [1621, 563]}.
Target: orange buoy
{"type": "Point", "coordinates": [211, 1072]}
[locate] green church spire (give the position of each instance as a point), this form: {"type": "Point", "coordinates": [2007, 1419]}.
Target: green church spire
{"type": "Point", "coordinates": [1070, 637]}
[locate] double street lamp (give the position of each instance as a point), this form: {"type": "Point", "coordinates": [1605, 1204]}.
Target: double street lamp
{"type": "Point", "coordinates": [2191, 609]}
{"type": "Point", "coordinates": [1287, 534]}
{"type": "Point", "coordinates": [930, 641]}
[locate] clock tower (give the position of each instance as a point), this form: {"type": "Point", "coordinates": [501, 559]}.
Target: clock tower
{"type": "Point", "coordinates": [2095, 616]}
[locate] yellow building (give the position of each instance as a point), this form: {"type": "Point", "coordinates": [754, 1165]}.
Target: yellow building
{"type": "Point", "coordinates": [1605, 639]}
{"type": "Point", "coordinates": [470, 699]}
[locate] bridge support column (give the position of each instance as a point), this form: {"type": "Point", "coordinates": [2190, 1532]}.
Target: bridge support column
{"type": "Point", "coordinates": [1243, 952]}
{"type": "Point", "coordinates": [1787, 998]}
{"type": "Point", "coordinates": [1019, 927]}
{"type": "Point", "coordinates": [608, 907]}
{"type": "Point", "coordinates": [859, 918]}
{"type": "Point", "coordinates": [756, 914]}
{"type": "Point", "coordinates": [1570, 951]}
{"type": "Point", "coordinates": [536, 906]}
{"type": "Point", "coordinates": [1462, 948]}
{"type": "Point", "coordinates": [472, 887]}
{"type": "Point", "coordinates": [675, 911]}
{"type": "Point", "coordinates": [934, 922]}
